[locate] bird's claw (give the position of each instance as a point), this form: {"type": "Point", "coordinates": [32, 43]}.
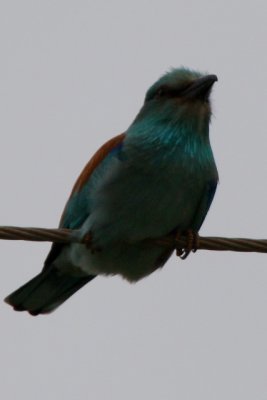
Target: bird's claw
{"type": "Point", "coordinates": [192, 243]}
{"type": "Point", "coordinates": [88, 241]}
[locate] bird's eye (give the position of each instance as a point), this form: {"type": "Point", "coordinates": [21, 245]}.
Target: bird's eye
{"type": "Point", "coordinates": [160, 92]}
{"type": "Point", "coordinates": [157, 94]}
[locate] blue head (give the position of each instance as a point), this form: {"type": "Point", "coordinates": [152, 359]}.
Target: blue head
{"type": "Point", "coordinates": [179, 99]}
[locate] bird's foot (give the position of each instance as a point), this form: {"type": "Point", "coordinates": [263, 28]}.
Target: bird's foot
{"type": "Point", "coordinates": [192, 243]}
{"type": "Point", "coordinates": [88, 241]}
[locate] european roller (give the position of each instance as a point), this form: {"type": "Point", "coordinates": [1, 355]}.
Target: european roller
{"type": "Point", "coordinates": [157, 178]}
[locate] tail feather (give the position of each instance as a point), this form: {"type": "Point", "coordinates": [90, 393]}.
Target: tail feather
{"type": "Point", "coordinates": [46, 291]}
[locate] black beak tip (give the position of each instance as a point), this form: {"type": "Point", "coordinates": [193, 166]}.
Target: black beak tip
{"type": "Point", "coordinates": [213, 77]}
{"type": "Point", "coordinates": [201, 88]}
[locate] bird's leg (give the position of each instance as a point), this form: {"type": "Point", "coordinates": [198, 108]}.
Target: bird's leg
{"type": "Point", "coordinates": [179, 250]}
{"type": "Point", "coordinates": [192, 243]}
{"type": "Point", "coordinates": [88, 241]}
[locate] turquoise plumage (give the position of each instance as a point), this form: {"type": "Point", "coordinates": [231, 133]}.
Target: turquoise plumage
{"type": "Point", "coordinates": [156, 178]}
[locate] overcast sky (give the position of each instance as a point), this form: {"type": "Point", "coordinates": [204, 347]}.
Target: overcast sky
{"type": "Point", "coordinates": [72, 75]}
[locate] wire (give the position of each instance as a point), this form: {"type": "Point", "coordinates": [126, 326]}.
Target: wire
{"type": "Point", "coordinates": [71, 236]}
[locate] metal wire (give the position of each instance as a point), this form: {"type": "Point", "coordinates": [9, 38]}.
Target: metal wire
{"type": "Point", "coordinates": [70, 236]}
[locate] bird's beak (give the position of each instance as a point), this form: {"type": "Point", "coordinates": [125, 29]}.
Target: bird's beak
{"type": "Point", "coordinates": [200, 88]}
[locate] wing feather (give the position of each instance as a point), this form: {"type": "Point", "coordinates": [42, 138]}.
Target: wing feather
{"type": "Point", "coordinates": [99, 156]}
{"type": "Point", "coordinates": [90, 167]}
{"type": "Point", "coordinates": [71, 212]}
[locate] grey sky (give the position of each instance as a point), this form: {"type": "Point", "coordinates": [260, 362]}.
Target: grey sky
{"type": "Point", "coordinates": [72, 75]}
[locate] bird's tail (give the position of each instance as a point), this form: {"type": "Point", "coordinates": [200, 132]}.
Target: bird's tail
{"type": "Point", "coordinates": [46, 291]}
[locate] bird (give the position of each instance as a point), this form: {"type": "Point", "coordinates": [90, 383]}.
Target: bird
{"type": "Point", "coordinates": [157, 178]}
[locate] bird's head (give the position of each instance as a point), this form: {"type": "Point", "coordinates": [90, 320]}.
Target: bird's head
{"type": "Point", "coordinates": [179, 96]}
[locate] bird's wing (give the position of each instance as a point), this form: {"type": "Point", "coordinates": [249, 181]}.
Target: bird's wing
{"type": "Point", "coordinates": [77, 208]}
{"type": "Point", "coordinates": [204, 204]}
{"type": "Point", "coordinates": [77, 198]}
